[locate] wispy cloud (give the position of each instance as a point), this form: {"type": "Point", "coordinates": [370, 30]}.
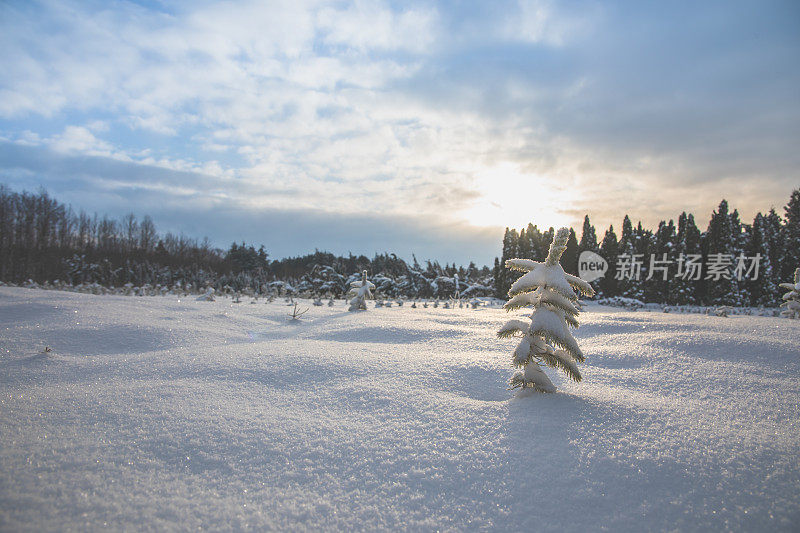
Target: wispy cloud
{"type": "Point", "coordinates": [490, 113]}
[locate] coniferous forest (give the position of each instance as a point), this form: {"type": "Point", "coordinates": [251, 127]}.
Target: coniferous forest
{"type": "Point", "coordinates": [664, 274]}
{"type": "Point", "coordinates": [45, 241]}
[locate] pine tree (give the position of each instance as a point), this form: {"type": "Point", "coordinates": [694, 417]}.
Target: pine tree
{"type": "Point", "coordinates": [547, 339]}
{"type": "Point", "coordinates": [659, 278]}
{"type": "Point", "coordinates": [642, 247]}
{"type": "Point", "coordinates": [609, 249]}
{"type": "Point", "coordinates": [361, 291]}
{"type": "Point", "coordinates": [774, 239]}
{"type": "Point", "coordinates": [791, 235]}
{"type": "Point", "coordinates": [524, 248]}
{"type": "Point", "coordinates": [497, 275]}
{"type": "Point", "coordinates": [588, 237]}
{"type": "Point", "coordinates": [510, 249]}
{"type": "Point", "coordinates": [721, 246]}
{"type": "Point", "coordinates": [569, 261]}
{"type": "Point", "coordinates": [537, 242]}
{"type": "Point", "coordinates": [761, 289]}
{"type": "Point", "coordinates": [625, 285]}
{"type": "Point", "coordinates": [687, 248]}
{"type": "Point", "coordinates": [792, 298]}
{"type": "Point", "coordinates": [741, 243]}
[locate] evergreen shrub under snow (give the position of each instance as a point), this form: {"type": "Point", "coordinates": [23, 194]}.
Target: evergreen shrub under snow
{"type": "Point", "coordinates": [546, 339]}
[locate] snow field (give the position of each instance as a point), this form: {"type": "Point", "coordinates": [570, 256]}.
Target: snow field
{"type": "Point", "coordinates": [158, 414]}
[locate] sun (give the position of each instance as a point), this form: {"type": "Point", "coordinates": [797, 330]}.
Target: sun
{"type": "Point", "coordinates": [511, 198]}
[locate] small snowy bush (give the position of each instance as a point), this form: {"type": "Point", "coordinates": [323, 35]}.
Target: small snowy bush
{"type": "Point", "coordinates": [361, 291]}
{"type": "Point", "coordinates": [792, 298]}
{"type": "Point", "coordinates": [722, 311]}
{"type": "Point", "coordinates": [208, 296]}
{"type": "Point", "coordinates": [547, 338]}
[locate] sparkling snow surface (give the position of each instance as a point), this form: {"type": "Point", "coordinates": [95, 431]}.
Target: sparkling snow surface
{"type": "Point", "coordinates": [155, 413]}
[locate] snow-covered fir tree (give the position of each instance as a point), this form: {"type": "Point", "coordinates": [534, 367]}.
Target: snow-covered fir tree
{"type": "Point", "coordinates": [208, 296]}
{"type": "Point", "coordinates": [792, 298]}
{"type": "Point", "coordinates": [687, 254]}
{"type": "Point", "coordinates": [361, 290]}
{"type": "Point", "coordinates": [658, 282]}
{"type": "Point", "coordinates": [723, 239]}
{"type": "Point", "coordinates": [791, 235]}
{"type": "Point", "coordinates": [762, 242]}
{"type": "Point", "coordinates": [547, 338]}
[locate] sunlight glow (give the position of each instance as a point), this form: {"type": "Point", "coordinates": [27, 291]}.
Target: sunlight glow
{"type": "Point", "coordinates": [511, 198]}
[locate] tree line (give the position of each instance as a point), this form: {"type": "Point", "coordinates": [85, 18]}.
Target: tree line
{"type": "Point", "coordinates": [663, 257]}
{"type": "Point", "coordinates": [44, 240]}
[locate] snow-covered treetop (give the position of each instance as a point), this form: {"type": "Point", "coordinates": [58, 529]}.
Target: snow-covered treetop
{"type": "Point", "coordinates": [364, 285]}
{"type": "Point", "coordinates": [792, 298]}
{"type": "Point", "coordinates": [549, 274]}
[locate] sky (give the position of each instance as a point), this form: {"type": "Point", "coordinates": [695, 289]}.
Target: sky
{"type": "Point", "coordinates": [404, 127]}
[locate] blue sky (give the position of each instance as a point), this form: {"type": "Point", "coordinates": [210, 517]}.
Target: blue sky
{"type": "Point", "coordinates": [400, 126]}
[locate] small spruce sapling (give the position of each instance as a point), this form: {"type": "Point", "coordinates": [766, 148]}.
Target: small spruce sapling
{"type": "Point", "coordinates": [792, 298]}
{"type": "Point", "coordinates": [547, 339]}
{"type": "Point", "coordinates": [361, 291]}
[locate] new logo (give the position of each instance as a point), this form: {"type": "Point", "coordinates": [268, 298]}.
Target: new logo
{"type": "Point", "coordinates": [591, 266]}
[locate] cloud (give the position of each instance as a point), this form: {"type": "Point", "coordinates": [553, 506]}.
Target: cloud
{"type": "Point", "coordinates": [289, 232]}
{"type": "Point", "coordinates": [366, 26]}
{"type": "Point", "coordinates": [201, 205]}
{"type": "Point", "coordinates": [77, 139]}
{"type": "Point", "coordinates": [649, 110]}
{"type": "Point", "coordinates": [457, 114]}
